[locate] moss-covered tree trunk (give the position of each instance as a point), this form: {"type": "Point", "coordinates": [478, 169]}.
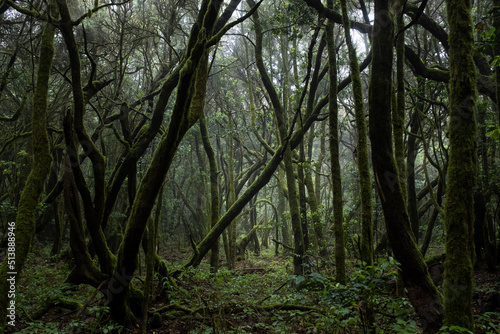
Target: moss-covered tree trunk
{"type": "Point", "coordinates": [287, 153]}
{"type": "Point", "coordinates": [459, 204]}
{"type": "Point", "coordinates": [398, 114]}
{"type": "Point", "coordinates": [283, 222]}
{"type": "Point", "coordinates": [496, 25]}
{"type": "Point", "coordinates": [421, 291]}
{"type": "Point", "coordinates": [25, 223]}
{"type": "Point", "coordinates": [362, 146]}
{"type": "Point", "coordinates": [188, 108]}
{"type": "Point", "coordinates": [214, 190]}
{"type": "Point", "coordinates": [316, 223]}
{"type": "Point", "coordinates": [302, 196]}
{"type": "Point", "coordinates": [412, 201]}
{"type": "Point", "coordinates": [333, 111]}
{"type": "Point", "coordinates": [432, 218]}
{"type": "Point", "coordinates": [314, 194]}
{"type": "Point", "coordinates": [231, 197]}
{"type": "Point", "coordinates": [93, 206]}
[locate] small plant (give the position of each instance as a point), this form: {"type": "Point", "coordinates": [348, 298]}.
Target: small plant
{"type": "Point", "coordinates": [41, 328]}
{"type": "Point", "coordinates": [488, 322]}
{"type": "Point", "coordinates": [454, 330]}
{"type": "Point", "coordinates": [364, 302]}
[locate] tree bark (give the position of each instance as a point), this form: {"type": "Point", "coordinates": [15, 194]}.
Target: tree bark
{"type": "Point", "coordinates": [421, 290]}
{"type": "Point", "coordinates": [287, 153]}
{"type": "Point", "coordinates": [362, 146]}
{"type": "Point", "coordinates": [188, 108]}
{"type": "Point", "coordinates": [459, 204]}
{"type": "Point", "coordinates": [25, 223]}
{"type": "Point", "coordinates": [214, 190]}
{"type": "Point", "coordinates": [338, 213]}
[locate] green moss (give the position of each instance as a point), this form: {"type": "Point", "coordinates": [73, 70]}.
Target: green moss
{"type": "Point", "coordinates": [362, 145]}
{"type": "Point", "coordinates": [156, 321]}
{"type": "Point", "coordinates": [42, 160]}
{"type": "Point", "coordinates": [459, 205]}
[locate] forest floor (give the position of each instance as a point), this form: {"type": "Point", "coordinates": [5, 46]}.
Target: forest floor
{"type": "Point", "coordinates": [259, 296]}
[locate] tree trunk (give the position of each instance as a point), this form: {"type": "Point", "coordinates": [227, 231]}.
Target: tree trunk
{"type": "Point", "coordinates": [459, 204]}
{"type": "Point", "coordinates": [285, 229]}
{"type": "Point", "coordinates": [93, 206]}
{"type": "Point", "coordinates": [338, 212]}
{"type": "Point", "coordinates": [287, 154]}
{"type": "Point", "coordinates": [361, 148]}
{"type": "Point", "coordinates": [412, 199]}
{"type": "Point", "coordinates": [22, 232]}
{"type": "Point", "coordinates": [231, 197]}
{"type": "Point", "coordinates": [421, 290]}
{"type": "Point", "coordinates": [214, 190]}
{"type": "Point", "coordinates": [302, 196]}
{"type": "Point", "coordinates": [496, 25]}
{"type": "Point", "coordinates": [187, 109]}
{"type": "Point", "coordinates": [432, 219]}
{"type": "Point", "coordinates": [398, 114]}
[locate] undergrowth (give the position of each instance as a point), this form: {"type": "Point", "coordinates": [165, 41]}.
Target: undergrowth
{"type": "Point", "coordinates": [260, 296]}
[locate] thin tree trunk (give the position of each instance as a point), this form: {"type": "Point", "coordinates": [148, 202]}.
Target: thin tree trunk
{"type": "Point", "coordinates": [340, 272]}
{"type": "Point", "coordinates": [231, 197]}
{"type": "Point", "coordinates": [287, 153]}
{"type": "Point", "coordinates": [432, 219]}
{"type": "Point", "coordinates": [412, 199]}
{"type": "Point", "coordinates": [398, 115]}
{"type": "Point", "coordinates": [214, 190]}
{"type": "Point", "coordinates": [361, 148]}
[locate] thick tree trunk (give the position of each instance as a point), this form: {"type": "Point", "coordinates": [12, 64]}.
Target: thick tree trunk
{"type": "Point", "coordinates": [21, 234]}
{"type": "Point", "coordinates": [422, 292]}
{"type": "Point", "coordinates": [93, 206]}
{"type": "Point", "coordinates": [459, 204]}
{"type": "Point", "coordinates": [316, 223]}
{"type": "Point", "coordinates": [187, 110]}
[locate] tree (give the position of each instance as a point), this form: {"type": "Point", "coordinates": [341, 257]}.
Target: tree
{"type": "Point", "coordinates": [422, 292]}
{"type": "Point", "coordinates": [24, 230]}
{"type": "Point", "coordinates": [282, 123]}
{"type": "Point", "coordinates": [333, 109]}
{"type": "Point", "coordinates": [362, 146]}
{"type": "Point", "coordinates": [459, 204]}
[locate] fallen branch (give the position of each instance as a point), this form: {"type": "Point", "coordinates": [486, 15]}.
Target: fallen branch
{"type": "Point", "coordinates": [282, 244]}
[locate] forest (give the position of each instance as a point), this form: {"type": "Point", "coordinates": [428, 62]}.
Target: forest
{"type": "Point", "coordinates": [271, 166]}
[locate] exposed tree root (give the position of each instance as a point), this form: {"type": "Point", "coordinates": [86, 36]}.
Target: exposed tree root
{"type": "Point", "coordinates": [60, 302]}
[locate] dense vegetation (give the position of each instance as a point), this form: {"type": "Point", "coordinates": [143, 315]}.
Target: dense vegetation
{"type": "Point", "coordinates": [212, 166]}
